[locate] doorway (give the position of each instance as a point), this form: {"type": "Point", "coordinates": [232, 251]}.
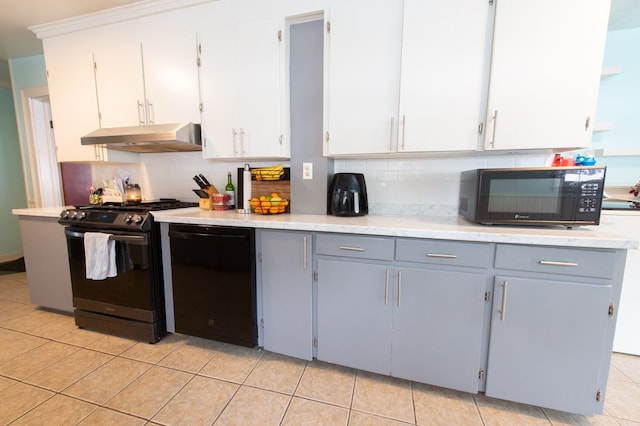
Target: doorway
{"type": "Point", "coordinates": [42, 173]}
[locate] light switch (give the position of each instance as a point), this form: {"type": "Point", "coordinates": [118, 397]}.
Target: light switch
{"type": "Point", "coordinates": [307, 171]}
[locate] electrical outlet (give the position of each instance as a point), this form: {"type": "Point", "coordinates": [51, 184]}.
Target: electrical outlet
{"type": "Point", "coordinates": [307, 171]}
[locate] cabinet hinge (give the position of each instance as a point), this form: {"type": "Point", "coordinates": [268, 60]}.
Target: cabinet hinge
{"type": "Point", "coordinates": [200, 107]}
{"type": "Point", "coordinates": [599, 395]}
{"type": "Point", "coordinates": [480, 374]}
{"type": "Point", "coordinates": [199, 48]}
{"type": "Point", "coordinates": [328, 26]}
{"type": "Point", "coordinates": [51, 124]}
{"type": "Point", "coordinates": [279, 35]}
{"type": "Point", "coordinates": [480, 128]}
{"type": "Point", "coordinates": [259, 256]}
{"type": "Point", "coordinates": [490, 2]}
{"type": "Point", "coordinates": [198, 62]}
{"type": "Point", "coordinates": [612, 309]}
{"type": "Point", "coordinates": [280, 139]}
{"type": "Point", "coordinates": [487, 295]}
{"type": "Point", "coordinates": [326, 136]}
{"type": "Point", "coordinates": [95, 66]}
{"type": "Point", "coordinates": [262, 322]}
{"type": "Point", "coordinates": [587, 123]}
{"type": "Point", "coordinates": [315, 276]}
{"type": "Point", "coordinates": [315, 342]}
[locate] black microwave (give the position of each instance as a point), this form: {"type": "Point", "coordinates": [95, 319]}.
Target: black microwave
{"type": "Point", "coordinates": [567, 196]}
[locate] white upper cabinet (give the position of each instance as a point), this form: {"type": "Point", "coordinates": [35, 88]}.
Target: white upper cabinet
{"type": "Point", "coordinates": [242, 87]}
{"type": "Point", "coordinates": [74, 106]}
{"type": "Point", "coordinates": [149, 82]}
{"type": "Point", "coordinates": [362, 63]}
{"type": "Point", "coordinates": [442, 80]}
{"type": "Point", "coordinates": [545, 73]}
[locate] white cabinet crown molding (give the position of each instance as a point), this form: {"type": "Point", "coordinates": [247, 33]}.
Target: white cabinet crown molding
{"type": "Point", "coordinates": [111, 16]}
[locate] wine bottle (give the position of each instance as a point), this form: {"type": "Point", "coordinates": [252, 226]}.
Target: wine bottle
{"type": "Point", "coordinates": [230, 190]}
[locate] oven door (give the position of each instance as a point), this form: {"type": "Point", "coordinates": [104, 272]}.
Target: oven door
{"type": "Point", "coordinates": [547, 196]}
{"type": "Point", "coordinates": [130, 293]}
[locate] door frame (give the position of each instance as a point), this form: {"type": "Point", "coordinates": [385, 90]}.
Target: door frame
{"type": "Point", "coordinates": [42, 177]}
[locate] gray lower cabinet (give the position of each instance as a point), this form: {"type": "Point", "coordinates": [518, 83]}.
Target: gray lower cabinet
{"type": "Point", "coordinates": [47, 262]}
{"type": "Point", "coordinates": [424, 323]}
{"type": "Point", "coordinates": [286, 271]}
{"type": "Point", "coordinates": [550, 339]}
{"type": "Point", "coordinates": [354, 314]}
{"type": "Point", "coordinates": [437, 327]}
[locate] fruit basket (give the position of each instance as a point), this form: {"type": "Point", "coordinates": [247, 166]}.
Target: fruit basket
{"type": "Point", "coordinates": [268, 173]}
{"type": "Point", "coordinates": [269, 204]}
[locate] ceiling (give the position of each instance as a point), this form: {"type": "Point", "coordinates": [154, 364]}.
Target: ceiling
{"type": "Point", "coordinates": [17, 41]}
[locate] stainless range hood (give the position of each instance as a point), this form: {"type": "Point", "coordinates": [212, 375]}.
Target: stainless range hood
{"type": "Point", "coordinates": [174, 137]}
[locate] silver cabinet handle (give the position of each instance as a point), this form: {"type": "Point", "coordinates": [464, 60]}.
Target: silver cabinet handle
{"type": "Point", "coordinates": [504, 301]}
{"type": "Point", "coordinates": [399, 286]}
{"type": "Point", "coordinates": [442, 255]}
{"type": "Point", "coordinates": [304, 254]}
{"type": "Point", "coordinates": [495, 123]}
{"type": "Point", "coordinates": [234, 136]}
{"type": "Point", "coordinates": [348, 248]}
{"type": "Point", "coordinates": [242, 144]}
{"type": "Point", "coordinates": [386, 288]}
{"type": "Point", "coordinates": [140, 113]}
{"type": "Point", "coordinates": [391, 135]}
{"type": "Point", "coordinates": [556, 263]}
{"type": "Point", "coordinates": [404, 125]}
{"type": "Point", "coordinates": [151, 113]}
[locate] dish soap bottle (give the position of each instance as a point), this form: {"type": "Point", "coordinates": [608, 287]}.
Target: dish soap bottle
{"type": "Point", "coordinates": [230, 190]}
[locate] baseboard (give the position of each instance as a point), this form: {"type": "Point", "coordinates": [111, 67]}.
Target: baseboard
{"type": "Point", "coordinates": [10, 257]}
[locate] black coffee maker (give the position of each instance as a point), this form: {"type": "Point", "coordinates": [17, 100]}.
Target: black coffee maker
{"type": "Point", "coordinates": [347, 195]}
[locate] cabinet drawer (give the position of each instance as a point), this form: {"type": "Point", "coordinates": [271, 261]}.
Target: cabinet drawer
{"type": "Point", "coordinates": [585, 263]}
{"type": "Point", "coordinates": [439, 252]}
{"type": "Point", "coordinates": [355, 246]}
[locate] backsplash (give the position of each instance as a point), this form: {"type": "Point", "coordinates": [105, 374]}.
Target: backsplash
{"type": "Point", "coordinates": [398, 187]}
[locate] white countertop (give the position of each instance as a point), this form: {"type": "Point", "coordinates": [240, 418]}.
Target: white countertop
{"type": "Point", "coordinates": [436, 227]}
{"type": "Point", "coordinates": [447, 228]}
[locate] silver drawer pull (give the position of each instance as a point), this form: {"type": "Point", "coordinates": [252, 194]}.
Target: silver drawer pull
{"type": "Point", "coordinates": [442, 256]}
{"type": "Point", "coordinates": [351, 248]}
{"type": "Point", "coordinates": [555, 263]}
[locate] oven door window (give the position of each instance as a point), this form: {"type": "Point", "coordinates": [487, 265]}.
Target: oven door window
{"type": "Point", "coordinates": [130, 287]}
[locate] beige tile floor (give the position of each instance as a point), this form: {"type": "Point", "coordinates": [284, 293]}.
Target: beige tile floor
{"type": "Point", "coordinates": [53, 373]}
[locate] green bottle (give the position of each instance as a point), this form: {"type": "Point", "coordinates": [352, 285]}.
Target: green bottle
{"type": "Point", "coordinates": [230, 190]}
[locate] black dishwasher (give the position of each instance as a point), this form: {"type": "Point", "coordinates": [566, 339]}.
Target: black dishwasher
{"type": "Point", "coordinates": [214, 282]}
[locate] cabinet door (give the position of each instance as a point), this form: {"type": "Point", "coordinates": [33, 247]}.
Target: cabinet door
{"type": "Point", "coordinates": [354, 315]}
{"type": "Point", "coordinates": [120, 84]}
{"type": "Point", "coordinates": [437, 327]}
{"type": "Point", "coordinates": [545, 73]}
{"type": "Point", "coordinates": [171, 78]}
{"type": "Point", "coordinates": [362, 84]}
{"type": "Point", "coordinates": [546, 342]}
{"type": "Point", "coordinates": [441, 89]}
{"type": "Point", "coordinates": [72, 91]}
{"type": "Point", "coordinates": [287, 293]}
{"type": "Point", "coordinates": [242, 65]}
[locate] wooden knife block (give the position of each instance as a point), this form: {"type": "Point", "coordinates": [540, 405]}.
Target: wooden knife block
{"type": "Point", "coordinates": [207, 203]}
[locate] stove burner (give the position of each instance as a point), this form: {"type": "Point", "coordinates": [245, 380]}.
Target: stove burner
{"type": "Point", "coordinates": [119, 215]}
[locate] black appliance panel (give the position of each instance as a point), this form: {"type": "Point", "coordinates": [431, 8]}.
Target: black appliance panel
{"type": "Point", "coordinates": [213, 273]}
{"type": "Point", "coordinates": [347, 195]}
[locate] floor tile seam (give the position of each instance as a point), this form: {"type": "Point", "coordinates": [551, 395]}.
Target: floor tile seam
{"type": "Point", "coordinates": [227, 403]}
{"type": "Point", "coordinates": [42, 368]}
{"type": "Point", "coordinates": [35, 406]}
{"type": "Point", "coordinates": [98, 406]}
{"type": "Point", "coordinates": [474, 398]}
{"type": "Point", "coordinates": [170, 399]}
{"type": "Point", "coordinates": [382, 416]}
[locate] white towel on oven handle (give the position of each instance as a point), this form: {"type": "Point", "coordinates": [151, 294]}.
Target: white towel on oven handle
{"type": "Point", "coordinates": [100, 255]}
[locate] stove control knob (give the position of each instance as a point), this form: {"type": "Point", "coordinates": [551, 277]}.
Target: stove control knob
{"type": "Point", "coordinates": [82, 215]}
{"type": "Point", "coordinates": [137, 219]}
{"type": "Point", "coordinates": [64, 214]}
{"type": "Point", "coordinates": [128, 219]}
{"type": "Point", "coordinates": [73, 214]}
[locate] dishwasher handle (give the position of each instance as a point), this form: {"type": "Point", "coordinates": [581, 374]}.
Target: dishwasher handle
{"type": "Point", "coordinates": [197, 235]}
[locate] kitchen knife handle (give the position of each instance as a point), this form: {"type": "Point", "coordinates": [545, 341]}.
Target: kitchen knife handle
{"type": "Point", "coordinates": [204, 179]}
